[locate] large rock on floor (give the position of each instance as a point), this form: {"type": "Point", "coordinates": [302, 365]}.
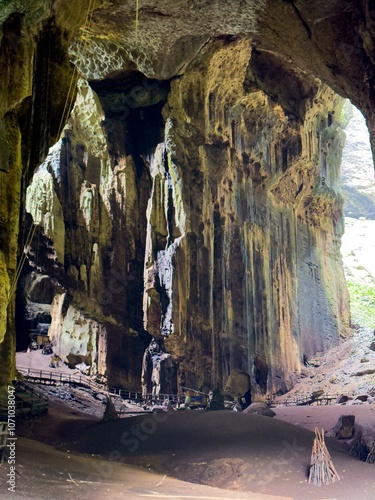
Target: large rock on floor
{"type": "Point", "coordinates": [260, 409]}
{"type": "Point", "coordinates": [362, 445]}
{"type": "Point", "coordinates": [342, 399]}
{"type": "Point", "coordinates": [344, 429]}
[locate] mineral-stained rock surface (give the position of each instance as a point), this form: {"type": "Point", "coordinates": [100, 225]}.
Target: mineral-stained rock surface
{"type": "Point", "coordinates": [191, 188]}
{"type": "Point", "coordinates": [253, 247]}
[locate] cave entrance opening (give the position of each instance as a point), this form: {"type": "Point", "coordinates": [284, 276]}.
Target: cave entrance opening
{"type": "Point", "coordinates": [358, 241]}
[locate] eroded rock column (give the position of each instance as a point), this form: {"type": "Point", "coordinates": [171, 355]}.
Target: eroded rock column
{"type": "Point", "coordinates": [86, 200]}
{"type": "Point", "coordinates": [258, 278]}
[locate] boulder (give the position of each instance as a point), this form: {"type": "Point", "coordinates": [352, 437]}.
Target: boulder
{"type": "Point", "coordinates": [362, 445]}
{"type": "Point", "coordinates": [372, 346]}
{"type": "Point", "coordinates": [260, 409]}
{"type": "Point", "coordinates": [344, 429]}
{"type": "Point", "coordinates": [317, 394]}
{"type": "Point", "coordinates": [237, 384]}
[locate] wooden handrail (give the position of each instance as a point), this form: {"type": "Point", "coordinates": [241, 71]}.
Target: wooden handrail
{"type": "Point", "coordinates": [30, 373]}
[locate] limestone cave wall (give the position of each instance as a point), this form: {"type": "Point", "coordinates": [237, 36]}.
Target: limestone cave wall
{"type": "Point", "coordinates": [89, 200]}
{"type": "Point", "coordinates": [29, 117]}
{"type": "Point", "coordinates": [179, 179]}
{"type": "Point", "coordinates": [208, 216]}
{"type": "Point", "coordinates": [257, 277]}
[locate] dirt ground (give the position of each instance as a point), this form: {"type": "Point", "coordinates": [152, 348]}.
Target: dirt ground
{"type": "Point", "coordinates": [191, 452]}
{"type": "Point", "coordinates": [71, 453]}
{"type": "Point", "coordinates": [49, 467]}
{"type": "Point", "coordinates": [47, 474]}
{"type": "Point", "coordinates": [247, 456]}
{"type": "Point", "coordinates": [310, 417]}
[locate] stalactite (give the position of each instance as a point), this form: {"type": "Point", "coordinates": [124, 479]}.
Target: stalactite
{"type": "Point", "coordinates": [165, 231]}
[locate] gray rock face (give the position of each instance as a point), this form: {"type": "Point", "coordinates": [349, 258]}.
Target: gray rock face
{"type": "Point", "coordinates": [357, 170]}
{"type": "Point", "coordinates": [156, 371]}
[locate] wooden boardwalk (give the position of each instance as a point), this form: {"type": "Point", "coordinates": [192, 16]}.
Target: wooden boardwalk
{"type": "Point", "coordinates": [47, 377]}
{"type": "Point", "coordinates": [324, 399]}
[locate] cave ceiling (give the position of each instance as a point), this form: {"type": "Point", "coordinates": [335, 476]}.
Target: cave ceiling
{"type": "Point", "coordinates": [332, 40]}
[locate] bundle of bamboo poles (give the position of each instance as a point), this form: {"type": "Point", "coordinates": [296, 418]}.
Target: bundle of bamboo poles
{"type": "Point", "coordinates": [322, 470]}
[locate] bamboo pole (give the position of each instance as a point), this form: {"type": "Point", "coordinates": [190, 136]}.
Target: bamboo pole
{"type": "Point", "coordinates": [322, 470]}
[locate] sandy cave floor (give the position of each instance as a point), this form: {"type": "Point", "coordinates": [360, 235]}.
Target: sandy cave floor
{"type": "Point", "coordinates": [70, 453]}
{"type": "Point", "coordinates": [237, 452]}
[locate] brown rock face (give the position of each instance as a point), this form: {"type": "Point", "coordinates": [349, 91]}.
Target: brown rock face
{"type": "Point", "coordinates": [194, 192]}
{"type": "Point", "coordinates": [262, 208]}
{"type": "Point", "coordinates": [33, 86]}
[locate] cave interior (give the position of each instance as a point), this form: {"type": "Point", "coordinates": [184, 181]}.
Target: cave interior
{"type": "Point", "coordinates": [173, 172]}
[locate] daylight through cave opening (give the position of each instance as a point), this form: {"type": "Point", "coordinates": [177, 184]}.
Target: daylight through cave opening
{"type": "Point", "coordinates": [172, 217]}
{"type": "Point", "coordinates": [358, 242]}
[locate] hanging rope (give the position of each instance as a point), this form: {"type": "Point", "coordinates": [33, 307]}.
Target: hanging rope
{"type": "Point", "coordinates": [136, 17]}
{"type": "Point", "coordinates": [66, 112]}
{"type": "Point", "coordinates": [47, 90]}
{"type": "Point", "coordinates": [30, 235]}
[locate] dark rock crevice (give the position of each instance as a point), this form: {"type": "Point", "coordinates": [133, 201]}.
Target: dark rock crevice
{"type": "Point", "coordinates": [298, 14]}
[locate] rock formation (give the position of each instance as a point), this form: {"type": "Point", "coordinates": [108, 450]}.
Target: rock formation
{"type": "Point", "coordinates": [157, 371]}
{"type": "Point", "coordinates": [191, 188]}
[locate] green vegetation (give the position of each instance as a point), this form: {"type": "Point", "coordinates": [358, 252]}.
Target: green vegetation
{"type": "Point", "coordinates": [362, 304]}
